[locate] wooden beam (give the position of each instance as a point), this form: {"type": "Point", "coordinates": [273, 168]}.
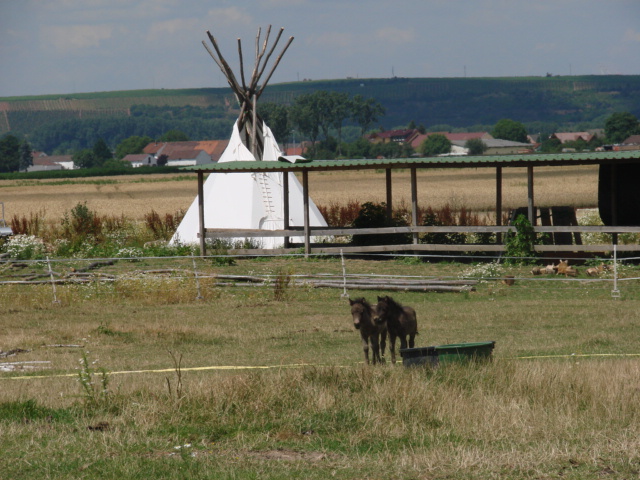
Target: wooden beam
{"type": "Point", "coordinates": [614, 201]}
{"type": "Point", "coordinates": [285, 200]}
{"type": "Point", "coordinates": [203, 244]}
{"type": "Point", "coordinates": [307, 229]}
{"type": "Point", "coordinates": [499, 202]}
{"type": "Point", "coordinates": [414, 203]}
{"type": "Point", "coordinates": [530, 205]}
{"type": "Point", "coordinates": [389, 194]}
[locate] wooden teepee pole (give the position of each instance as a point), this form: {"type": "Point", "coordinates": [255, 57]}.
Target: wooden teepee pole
{"type": "Point", "coordinates": [247, 93]}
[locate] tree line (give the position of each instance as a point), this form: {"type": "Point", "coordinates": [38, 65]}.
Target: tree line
{"type": "Point", "coordinates": [322, 118]}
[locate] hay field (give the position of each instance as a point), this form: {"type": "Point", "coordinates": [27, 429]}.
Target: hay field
{"type": "Point", "coordinates": [136, 195]}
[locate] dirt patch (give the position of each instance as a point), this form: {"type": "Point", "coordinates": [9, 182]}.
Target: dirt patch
{"type": "Point", "coordinates": [289, 455]}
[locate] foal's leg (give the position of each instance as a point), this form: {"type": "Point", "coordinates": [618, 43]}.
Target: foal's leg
{"type": "Point", "coordinates": [411, 340]}
{"type": "Point", "coordinates": [383, 344]}
{"type": "Point", "coordinates": [392, 348]}
{"type": "Point", "coordinates": [365, 349]}
{"type": "Point", "coordinates": [376, 348]}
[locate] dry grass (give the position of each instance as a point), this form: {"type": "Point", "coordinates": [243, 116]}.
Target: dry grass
{"type": "Point", "coordinates": [135, 196]}
{"type": "Point", "coordinates": [572, 417]}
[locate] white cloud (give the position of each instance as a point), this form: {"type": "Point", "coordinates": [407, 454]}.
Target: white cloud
{"type": "Point", "coordinates": [169, 28]}
{"type": "Point", "coordinates": [395, 35]}
{"type": "Point", "coordinates": [76, 37]}
{"type": "Point", "coordinates": [231, 15]}
{"type": "Point", "coordinates": [632, 36]}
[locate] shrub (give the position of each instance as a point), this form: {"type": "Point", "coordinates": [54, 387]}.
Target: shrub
{"type": "Point", "coordinates": [519, 246]}
{"type": "Point", "coordinates": [374, 215]}
{"type": "Point", "coordinates": [25, 247]}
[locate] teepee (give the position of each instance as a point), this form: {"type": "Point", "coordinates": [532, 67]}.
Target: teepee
{"type": "Point", "coordinates": [248, 200]}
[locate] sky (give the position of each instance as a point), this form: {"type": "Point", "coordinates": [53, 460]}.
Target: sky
{"type": "Point", "coordinates": [75, 46]}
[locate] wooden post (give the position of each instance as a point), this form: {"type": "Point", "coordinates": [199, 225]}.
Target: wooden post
{"type": "Point", "coordinates": [531, 211]}
{"type": "Point", "coordinates": [414, 203]}
{"type": "Point", "coordinates": [614, 202]}
{"type": "Point", "coordinates": [203, 245]}
{"type": "Point", "coordinates": [389, 195]}
{"type": "Point", "coordinates": [307, 229]}
{"type": "Point", "coordinates": [498, 202]}
{"type": "Point", "coordinates": [285, 200]}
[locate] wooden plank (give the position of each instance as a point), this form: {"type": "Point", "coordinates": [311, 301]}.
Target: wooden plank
{"type": "Point", "coordinates": [322, 231]}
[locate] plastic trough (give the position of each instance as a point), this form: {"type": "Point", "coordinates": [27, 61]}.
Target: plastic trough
{"type": "Point", "coordinates": [443, 354]}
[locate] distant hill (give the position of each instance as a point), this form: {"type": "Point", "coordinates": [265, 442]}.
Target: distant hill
{"type": "Point", "coordinates": [456, 102]}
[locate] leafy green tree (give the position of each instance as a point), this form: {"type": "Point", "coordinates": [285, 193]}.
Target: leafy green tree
{"type": "Point", "coordinates": [550, 145]}
{"type": "Point", "coordinates": [507, 129]}
{"type": "Point", "coordinates": [85, 158]}
{"type": "Point", "coordinates": [115, 164]}
{"type": "Point", "coordinates": [361, 148]}
{"type": "Point", "coordinates": [102, 152]}
{"type": "Point", "coordinates": [435, 144]}
{"type": "Point", "coordinates": [340, 110]}
{"type": "Point", "coordinates": [620, 126]}
{"type": "Point", "coordinates": [365, 112]}
{"type": "Point", "coordinates": [174, 135]}
{"type": "Point", "coordinates": [476, 146]}
{"type": "Point", "coordinates": [9, 153]}
{"type": "Point", "coordinates": [276, 116]}
{"type": "Point", "coordinates": [306, 116]}
{"type": "Point", "coordinates": [26, 156]}
{"type": "Point", "coordinates": [131, 146]}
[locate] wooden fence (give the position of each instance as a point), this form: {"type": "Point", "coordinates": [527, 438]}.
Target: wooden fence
{"type": "Point", "coordinates": [333, 247]}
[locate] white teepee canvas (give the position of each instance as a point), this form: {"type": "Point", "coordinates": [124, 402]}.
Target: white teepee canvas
{"type": "Point", "coordinates": [248, 200]}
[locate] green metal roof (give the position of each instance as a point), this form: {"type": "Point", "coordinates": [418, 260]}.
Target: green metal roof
{"type": "Point", "coordinates": [522, 160]}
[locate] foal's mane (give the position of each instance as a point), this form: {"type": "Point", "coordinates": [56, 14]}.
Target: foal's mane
{"type": "Point", "coordinates": [362, 301]}
{"type": "Point", "coordinates": [393, 305]}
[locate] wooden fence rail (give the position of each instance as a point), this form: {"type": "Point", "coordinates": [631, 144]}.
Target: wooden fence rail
{"type": "Point", "coordinates": [329, 248]}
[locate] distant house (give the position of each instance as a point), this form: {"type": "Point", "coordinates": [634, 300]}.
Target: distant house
{"type": "Point", "coordinates": [140, 160]}
{"type": "Point", "coordinates": [565, 137]}
{"type": "Point", "coordinates": [457, 139]}
{"type": "Point", "coordinates": [396, 136]}
{"type": "Point", "coordinates": [630, 143]}
{"type": "Point", "coordinates": [43, 162]}
{"type": "Point", "coordinates": [497, 146]}
{"type": "Point", "coordinates": [187, 153]}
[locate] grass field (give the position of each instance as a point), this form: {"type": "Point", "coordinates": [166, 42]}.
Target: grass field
{"type": "Point", "coordinates": [559, 399]}
{"type": "Point", "coordinates": [137, 377]}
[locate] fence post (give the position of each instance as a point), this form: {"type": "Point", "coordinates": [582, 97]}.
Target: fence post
{"type": "Point", "coordinates": [344, 277]}
{"type": "Point", "coordinates": [615, 293]}
{"type": "Point", "coordinates": [53, 283]}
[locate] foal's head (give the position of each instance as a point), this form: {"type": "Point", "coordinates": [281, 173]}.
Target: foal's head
{"type": "Point", "coordinates": [361, 311]}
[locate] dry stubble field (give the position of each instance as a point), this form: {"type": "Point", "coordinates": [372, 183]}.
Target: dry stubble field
{"type": "Point", "coordinates": [136, 195]}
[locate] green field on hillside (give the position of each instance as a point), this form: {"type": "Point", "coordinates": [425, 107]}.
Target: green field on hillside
{"type": "Point", "coordinates": [457, 102]}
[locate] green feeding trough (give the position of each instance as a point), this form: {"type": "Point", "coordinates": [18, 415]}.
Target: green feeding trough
{"type": "Point", "coordinates": [444, 354]}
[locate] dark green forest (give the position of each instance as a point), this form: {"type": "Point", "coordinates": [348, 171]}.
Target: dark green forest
{"type": "Point", "coordinates": [56, 124]}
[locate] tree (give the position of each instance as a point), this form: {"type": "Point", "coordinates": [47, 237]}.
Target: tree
{"type": "Point", "coordinates": [85, 158]}
{"type": "Point", "coordinates": [306, 117]}
{"type": "Point", "coordinates": [435, 144]}
{"type": "Point", "coordinates": [276, 116]}
{"type": "Point", "coordinates": [476, 146]}
{"type": "Point", "coordinates": [9, 153]}
{"type": "Point", "coordinates": [340, 105]}
{"type": "Point", "coordinates": [507, 129]}
{"type": "Point", "coordinates": [26, 156]}
{"type": "Point", "coordinates": [365, 112]}
{"type": "Point", "coordinates": [101, 152]}
{"type": "Point", "coordinates": [131, 146]}
{"type": "Point", "coordinates": [174, 136]}
{"type": "Point", "coordinates": [620, 126]}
